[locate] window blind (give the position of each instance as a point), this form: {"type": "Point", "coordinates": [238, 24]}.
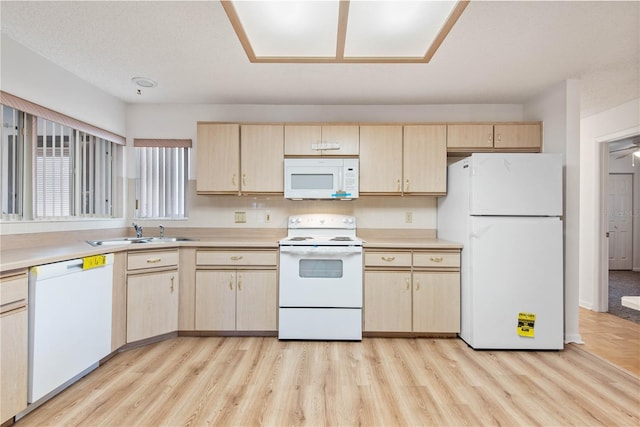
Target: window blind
{"type": "Point", "coordinates": [163, 173]}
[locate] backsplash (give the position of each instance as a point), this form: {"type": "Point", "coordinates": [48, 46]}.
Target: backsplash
{"type": "Point", "coordinates": [273, 211]}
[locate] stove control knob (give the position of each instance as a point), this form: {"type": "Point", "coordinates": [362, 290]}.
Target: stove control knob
{"type": "Point", "coordinates": [348, 220]}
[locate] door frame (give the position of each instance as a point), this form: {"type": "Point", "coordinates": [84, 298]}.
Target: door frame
{"type": "Point", "coordinates": [601, 297]}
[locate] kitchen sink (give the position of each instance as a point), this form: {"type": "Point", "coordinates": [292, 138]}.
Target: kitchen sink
{"type": "Point", "coordinates": [135, 240]}
{"type": "Point", "coordinates": [169, 239]}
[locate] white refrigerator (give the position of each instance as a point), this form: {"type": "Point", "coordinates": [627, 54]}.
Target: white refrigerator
{"type": "Point", "coordinates": [506, 210]}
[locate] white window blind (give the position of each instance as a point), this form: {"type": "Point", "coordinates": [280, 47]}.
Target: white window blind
{"type": "Point", "coordinates": [163, 174]}
{"type": "Point", "coordinates": [51, 169]}
{"type": "Point", "coordinates": [73, 173]}
{"type": "Point", "coordinates": [11, 161]}
{"type": "Point", "coordinates": [53, 184]}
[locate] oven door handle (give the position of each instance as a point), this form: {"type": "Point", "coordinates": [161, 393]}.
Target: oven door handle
{"type": "Point", "coordinates": [333, 251]}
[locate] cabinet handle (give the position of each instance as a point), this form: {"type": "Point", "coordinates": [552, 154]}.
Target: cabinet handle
{"type": "Point", "coordinates": [490, 140]}
{"type": "Point", "coordinates": [153, 260]}
{"type": "Point", "coordinates": [408, 283]}
{"type": "Point", "coordinates": [398, 185]}
{"type": "Point", "coordinates": [231, 282]}
{"type": "Point", "coordinates": [236, 257]}
{"type": "Point", "coordinates": [407, 185]}
{"type": "Point", "coordinates": [436, 259]}
{"type": "Point", "coordinates": [239, 282]}
{"type": "Point", "coordinates": [172, 277]}
{"type": "Point", "coordinates": [244, 179]}
{"type": "Point", "coordinates": [233, 179]}
{"type": "Point", "coordinates": [417, 285]}
{"type": "Point", "coordinates": [388, 258]}
{"type": "Point", "coordinates": [498, 137]}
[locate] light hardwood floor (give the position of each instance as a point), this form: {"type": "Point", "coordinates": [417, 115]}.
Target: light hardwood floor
{"type": "Point", "coordinates": [189, 381]}
{"type": "Point", "coordinates": [612, 338]}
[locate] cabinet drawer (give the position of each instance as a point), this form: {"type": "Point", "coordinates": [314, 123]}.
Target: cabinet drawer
{"type": "Point", "coordinates": [387, 259]}
{"type": "Point", "coordinates": [436, 259]}
{"type": "Point", "coordinates": [236, 258]}
{"type": "Point", "coordinates": [152, 259]}
{"type": "Point", "coordinates": [13, 292]}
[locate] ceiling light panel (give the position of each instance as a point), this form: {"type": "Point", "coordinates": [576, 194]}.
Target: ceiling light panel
{"type": "Point", "coordinates": [290, 28]}
{"type": "Point", "coordinates": [394, 28]}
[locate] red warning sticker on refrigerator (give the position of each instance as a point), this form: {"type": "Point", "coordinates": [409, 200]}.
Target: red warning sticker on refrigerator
{"type": "Point", "coordinates": [526, 324]}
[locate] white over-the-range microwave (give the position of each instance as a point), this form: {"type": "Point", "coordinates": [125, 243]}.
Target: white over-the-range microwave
{"type": "Point", "coordinates": [321, 178]}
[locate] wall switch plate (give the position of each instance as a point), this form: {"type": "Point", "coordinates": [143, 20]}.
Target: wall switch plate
{"type": "Point", "coordinates": [408, 217]}
{"type": "Point", "coordinates": [240, 217]}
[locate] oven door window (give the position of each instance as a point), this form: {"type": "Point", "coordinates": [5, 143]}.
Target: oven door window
{"type": "Point", "coordinates": [312, 181]}
{"type": "Point", "coordinates": [320, 268]}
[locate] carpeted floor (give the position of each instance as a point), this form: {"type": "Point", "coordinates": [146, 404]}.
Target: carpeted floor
{"type": "Point", "coordinates": [622, 283]}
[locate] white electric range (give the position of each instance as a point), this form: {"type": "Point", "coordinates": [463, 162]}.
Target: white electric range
{"type": "Point", "coordinates": [321, 279]}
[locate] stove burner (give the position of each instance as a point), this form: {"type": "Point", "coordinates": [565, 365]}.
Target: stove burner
{"type": "Point", "coordinates": [299, 238]}
{"type": "Point", "coordinates": [342, 239]}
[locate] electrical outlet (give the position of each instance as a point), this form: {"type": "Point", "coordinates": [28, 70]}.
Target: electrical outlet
{"type": "Point", "coordinates": [267, 216]}
{"type": "Point", "coordinates": [240, 217]}
{"type": "Point", "coordinates": [408, 217]}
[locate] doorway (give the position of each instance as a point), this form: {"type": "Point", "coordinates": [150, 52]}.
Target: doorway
{"type": "Point", "coordinates": [620, 174]}
{"type": "Point", "coordinates": [603, 158]}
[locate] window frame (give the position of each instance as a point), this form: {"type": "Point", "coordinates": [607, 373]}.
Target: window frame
{"type": "Point", "coordinates": [92, 154]}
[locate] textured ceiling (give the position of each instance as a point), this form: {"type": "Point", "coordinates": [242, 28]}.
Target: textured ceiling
{"type": "Point", "coordinates": [498, 52]}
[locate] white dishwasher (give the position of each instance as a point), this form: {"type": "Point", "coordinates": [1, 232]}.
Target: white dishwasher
{"type": "Point", "coordinates": [69, 321]}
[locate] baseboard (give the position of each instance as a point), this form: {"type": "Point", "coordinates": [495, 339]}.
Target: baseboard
{"type": "Point", "coordinates": [573, 338]}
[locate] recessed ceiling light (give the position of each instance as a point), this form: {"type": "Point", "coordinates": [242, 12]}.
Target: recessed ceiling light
{"type": "Point", "coordinates": [144, 82]}
{"type": "Point", "coordinates": [342, 30]}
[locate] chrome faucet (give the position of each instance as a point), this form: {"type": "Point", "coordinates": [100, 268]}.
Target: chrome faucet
{"type": "Point", "coordinates": [161, 231]}
{"type": "Point", "coordinates": [138, 229]}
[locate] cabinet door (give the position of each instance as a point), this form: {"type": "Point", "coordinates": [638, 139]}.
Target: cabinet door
{"type": "Point", "coordinates": [436, 302]}
{"type": "Point", "coordinates": [470, 137]}
{"type": "Point", "coordinates": [518, 136]}
{"type": "Point", "coordinates": [218, 159]}
{"type": "Point", "coordinates": [261, 154]}
{"type": "Point", "coordinates": [216, 300]}
{"type": "Point", "coordinates": [299, 138]}
{"type": "Point", "coordinates": [13, 362]}
{"type": "Point", "coordinates": [152, 304]}
{"type": "Point", "coordinates": [387, 301]}
{"type": "Point", "coordinates": [345, 135]}
{"type": "Point", "coordinates": [256, 305]}
{"type": "Point", "coordinates": [381, 159]}
{"type": "Point", "coordinates": [425, 159]}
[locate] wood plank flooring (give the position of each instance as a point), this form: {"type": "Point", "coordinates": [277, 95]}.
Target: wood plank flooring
{"type": "Point", "coordinates": [612, 338]}
{"type": "Point", "coordinates": [239, 381]}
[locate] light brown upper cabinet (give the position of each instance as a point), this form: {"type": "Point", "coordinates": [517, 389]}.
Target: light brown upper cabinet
{"type": "Point", "coordinates": [396, 159]}
{"type": "Point", "coordinates": [381, 159]}
{"type": "Point", "coordinates": [234, 159]}
{"type": "Point", "coordinates": [261, 158]}
{"type": "Point", "coordinates": [517, 136]}
{"type": "Point", "coordinates": [425, 159]}
{"type": "Point", "coordinates": [218, 159]}
{"type": "Point", "coordinates": [321, 140]}
{"type": "Point", "coordinates": [504, 137]}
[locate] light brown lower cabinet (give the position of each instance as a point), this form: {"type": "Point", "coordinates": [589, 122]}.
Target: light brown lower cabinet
{"type": "Point", "coordinates": [236, 300]}
{"type": "Point", "coordinates": [387, 301]}
{"type": "Point", "coordinates": [14, 339]}
{"type": "Point", "coordinates": [412, 291]}
{"type": "Point", "coordinates": [152, 304]}
{"type": "Point", "coordinates": [436, 302]}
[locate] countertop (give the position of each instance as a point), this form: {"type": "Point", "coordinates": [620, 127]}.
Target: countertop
{"type": "Point", "coordinates": [18, 258]}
